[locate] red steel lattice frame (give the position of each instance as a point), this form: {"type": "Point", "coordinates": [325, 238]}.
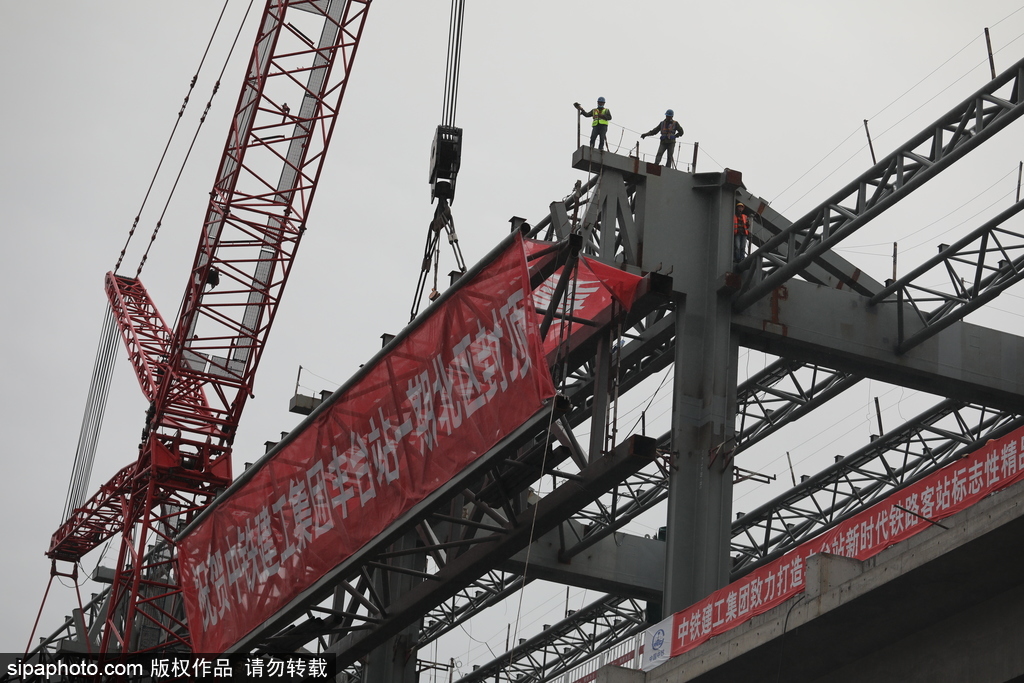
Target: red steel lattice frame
{"type": "Point", "coordinates": [199, 375]}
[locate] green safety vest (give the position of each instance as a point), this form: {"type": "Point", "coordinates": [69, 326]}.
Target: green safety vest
{"type": "Point", "coordinates": [597, 113]}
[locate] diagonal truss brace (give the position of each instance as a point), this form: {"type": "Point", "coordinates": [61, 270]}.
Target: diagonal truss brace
{"type": "Point", "coordinates": [991, 258]}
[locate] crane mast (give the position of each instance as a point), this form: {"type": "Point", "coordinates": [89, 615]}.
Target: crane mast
{"type": "Point", "coordinates": [198, 375]}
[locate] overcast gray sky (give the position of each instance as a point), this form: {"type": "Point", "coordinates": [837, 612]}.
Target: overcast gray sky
{"type": "Point", "coordinates": [92, 90]}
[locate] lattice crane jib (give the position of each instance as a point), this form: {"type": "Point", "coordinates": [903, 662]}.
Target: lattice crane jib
{"type": "Point", "coordinates": [199, 374]}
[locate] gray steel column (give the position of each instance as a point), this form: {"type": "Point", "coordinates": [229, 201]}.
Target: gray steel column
{"type": "Point", "coordinates": [704, 400]}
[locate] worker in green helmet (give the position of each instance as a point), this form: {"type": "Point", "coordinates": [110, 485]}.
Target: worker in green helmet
{"type": "Point", "coordinates": [601, 116]}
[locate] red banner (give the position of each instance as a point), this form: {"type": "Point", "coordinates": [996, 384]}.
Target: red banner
{"type": "Point", "coordinates": [946, 492]}
{"type": "Point", "coordinates": [471, 373]}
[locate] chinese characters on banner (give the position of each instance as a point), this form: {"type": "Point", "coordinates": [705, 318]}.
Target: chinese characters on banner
{"type": "Point", "coordinates": [946, 492]}
{"type": "Point", "coordinates": [471, 373]}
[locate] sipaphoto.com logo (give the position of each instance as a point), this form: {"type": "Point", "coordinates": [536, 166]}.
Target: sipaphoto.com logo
{"type": "Point", "coordinates": [64, 669]}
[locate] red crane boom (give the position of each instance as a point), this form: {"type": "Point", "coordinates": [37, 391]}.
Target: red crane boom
{"type": "Point", "coordinates": [198, 375]}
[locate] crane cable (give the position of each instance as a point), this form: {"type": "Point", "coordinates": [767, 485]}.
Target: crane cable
{"type": "Point", "coordinates": [92, 420]}
{"type": "Point", "coordinates": [442, 219]}
{"type": "Point", "coordinates": [451, 75]}
{"type": "Point", "coordinates": [195, 136]}
{"type": "Point", "coordinates": [174, 129]}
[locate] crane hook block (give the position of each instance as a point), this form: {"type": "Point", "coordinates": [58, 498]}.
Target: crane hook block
{"type": "Point", "coordinates": [445, 159]}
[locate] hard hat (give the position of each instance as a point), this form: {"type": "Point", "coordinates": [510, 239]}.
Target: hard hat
{"type": "Point", "coordinates": [741, 205]}
{"type": "Point", "coordinates": [670, 113]}
{"type": "Point", "coordinates": [600, 100]}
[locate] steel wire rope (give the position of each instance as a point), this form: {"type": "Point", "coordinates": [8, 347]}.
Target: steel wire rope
{"type": "Point", "coordinates": [106, 350]}
{"type": "Point", "coordinates": [650, 400]}
{"type": "Point", "coordinates": [170, 138]}
{"type": "Point", "coordinates": [664, 378]}
{"type": "Point", "coordinates": [477, 641]}
{"type": "Point", "coordinates": [191, 147]}
{"type": "Point", "coordinates": [1007, 312]}
{"type": "Point", "coordinates": [451, 73]}
{"type": "Point", "coordinates": [328, 380]}
{"type": "Point", "coordinates": [937, 235]}
{"type": "Point", "coordinates": [92, 420]}
{"type": "Point", "coordinates": [965, 75]}
{"type": "Point", "coordinates": [442, 215]}
{"type": "Point", "coordinates": [678, 144]}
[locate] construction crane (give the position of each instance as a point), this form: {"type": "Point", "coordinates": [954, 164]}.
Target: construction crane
{"type": "Point", "coordinates": [198, 374]}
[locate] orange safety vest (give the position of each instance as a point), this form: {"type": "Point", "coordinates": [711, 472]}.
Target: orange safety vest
{"type": "Point", "coordinates": [740, 224]}
{"type": "Point", "coordinates": [668, 130]}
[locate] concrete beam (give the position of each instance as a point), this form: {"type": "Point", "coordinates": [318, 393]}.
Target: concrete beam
{"type": "Point", "coordinates": [619, 564]}
{"type": "Point", "coordinates": [838, 329]}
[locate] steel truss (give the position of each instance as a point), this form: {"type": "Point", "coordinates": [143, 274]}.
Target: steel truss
{"type": "Point", "coordinates": [925, 443]}
{"type": "Point", "coordinates": [960, 130]}
{"type": "Point", "coordinates": [978, 268]}
{"type": "Point", "coordinates": [567, 644]}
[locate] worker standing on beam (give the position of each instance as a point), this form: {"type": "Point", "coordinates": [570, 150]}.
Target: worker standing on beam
{"type": "Point", "coordinates": [740, 232]}
{"type": "Point", "coordinates": [601, 116]}
{"type": "Point", "coordinates": [669, 130]}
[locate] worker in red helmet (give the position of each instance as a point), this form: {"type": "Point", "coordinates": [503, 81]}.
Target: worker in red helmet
{"type": "Point", "coordinates": [601, 116]}
{"type": "Point", "coordinates": [740, 232]}
{"type": "Point", "coordinates": [669, 129]}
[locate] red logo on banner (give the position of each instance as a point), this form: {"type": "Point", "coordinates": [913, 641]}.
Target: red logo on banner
{"type": "Point", "coordinates": [471, 373]}
{"type": "Point", "coordinates": [589, 295]}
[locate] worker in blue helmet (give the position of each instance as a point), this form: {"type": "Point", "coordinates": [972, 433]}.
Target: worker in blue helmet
{"type": "Point", "coordinates": [669, 129]}
{"type": "Point", "coordinates": [601, 116]}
